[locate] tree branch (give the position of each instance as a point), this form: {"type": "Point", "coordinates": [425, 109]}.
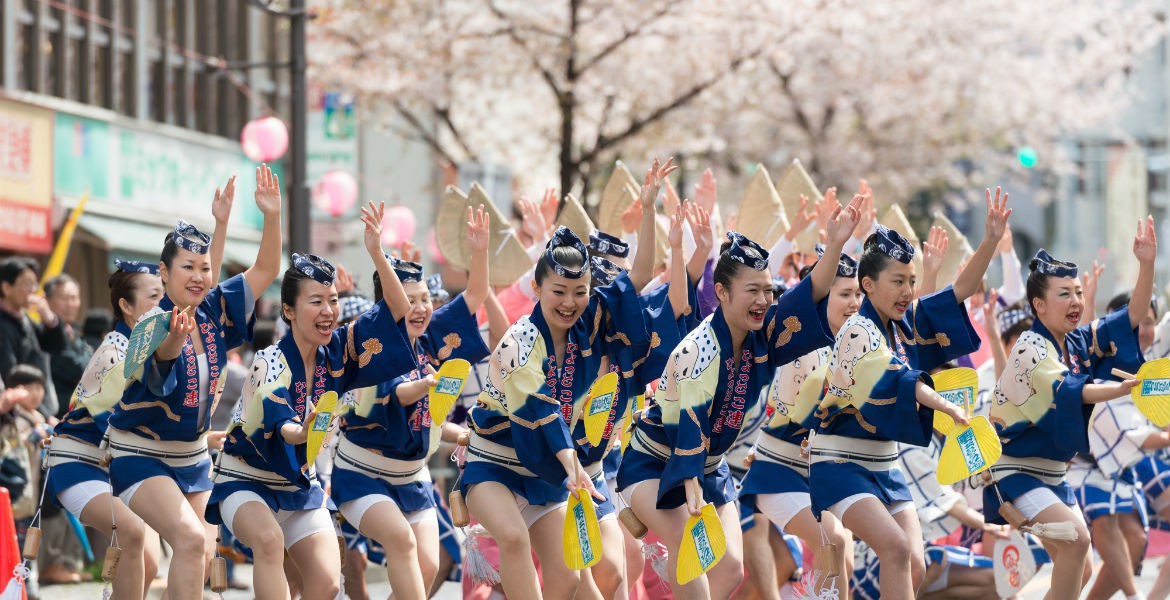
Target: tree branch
{"type": "Point", "coordinates": [424, 134]}
{"type": "Point", "coordinates": [626, 36]}
{"type": "Point", "coordinates": [510, 31]}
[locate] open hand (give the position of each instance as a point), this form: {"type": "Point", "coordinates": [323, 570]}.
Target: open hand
{"type": "Point", "coordinates": [934, 249]}
{"type": "Point", "coordinates": [1145, 243]}
{"type": "Point", "coordinates": [701, 228]}
{"type": "Point", "coordinates": [843, 222]}
{"type": "Point", "coordinates": [479, 230]}
{"type": "Point", "coordinates": [372, 219]}
{"type": "Point", "coordinates": [997, 215]}
{"type": "Point", "coordinates": [267, 191]}
{"type": "Point", "coordinates": [221, 205]}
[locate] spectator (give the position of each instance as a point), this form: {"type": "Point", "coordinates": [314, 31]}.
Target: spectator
{"type": "Point", "coordinates": [98, 322]}
{"type": "Point", "coordinates": [64, 297]}
{"type": "Point", "coordinates": [21, 431]}
{"type": "Point", "coordinates": [21, 340]}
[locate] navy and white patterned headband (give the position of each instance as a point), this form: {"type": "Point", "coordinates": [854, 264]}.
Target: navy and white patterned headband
{"type": "Point", "coordinates": [353, 307]}
{"type": "Point", "coordinates": [316, 268]}
{"type": "Point", "coordinates": [892, 244]}
{"type": "Point", "coordinates": [846, 266]}
{"type": "Point", "coordinates": [747, 252]}
{"type": "Point", "coordinates": [189, 238]}
{"type": "Point", "coordinates": [1047, 265]}
{"type": "Point", "coordinates": [436, 289]}
{"type": "Point", "coordinates": [135, 266]}
{"type": "Point", "coordinates": [604, 243]}
{"type": "Point", "coordinates": [1009, 318]}
{"type": "Point", "coordinates": [604, 270]}
{"type": "Point", "coordinates": [407, 271]}
{"type": "Point", "coordinates": [564, 236]}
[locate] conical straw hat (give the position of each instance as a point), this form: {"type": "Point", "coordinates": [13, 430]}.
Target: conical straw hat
{"type": "Point", "coordinates": [761, 213]}
{"type": "Point", "coordinates": [451, 228]}
{"type": "Point", "coordinates": [896, 219]}
{"type": "Point", "coordinates": [958, 248]}
{"type": "Point", "coordinates": [574, 217]}
{"type": "Point", "coordinates": [506, 255]}
{"type": "Point", "coordinates": [794, 183]}
{"type": "Point", "coordinates": [618, 194]}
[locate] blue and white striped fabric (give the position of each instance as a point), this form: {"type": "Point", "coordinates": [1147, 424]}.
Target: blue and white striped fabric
{"type": "Point", "coordinates": [1100, 496]}
{"type": "Point", "coordinates": [1153, 472]}
{"type": "Point", "coordinates": [1117, 430]}
{"type": "Point", "coordinates": [932, 500]}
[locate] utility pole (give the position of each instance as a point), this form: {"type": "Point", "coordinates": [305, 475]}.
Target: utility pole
{"type": "Point", "coordinates": [300, 213]}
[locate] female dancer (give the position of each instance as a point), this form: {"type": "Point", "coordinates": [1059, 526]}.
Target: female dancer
{"type": "Point", "coordinates": [711, 380]}
{"type": "Point", "coordinates": [777, 481]}
{"type": "Point", "coordinates": [77, 478]}
{"type": "Point", "coordinates": [156, 431]}
{"type": "Point", "coordinates": [879, 394]}
{"type": "Point", "coordinates": [380, 478]}
{"type": "Point", "coordinates": [266, 492]}
{"type": "Point", "coordinates": [521, 456]}
{"type": "Point", "coordinates": [1046, 395]}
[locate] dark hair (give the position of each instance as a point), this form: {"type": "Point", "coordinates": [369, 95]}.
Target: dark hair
{"type": "Point", "coordinates": [566, 256]}
{"type": "Point", "coordinates": [807, 270]}
{"type": "Point", "coordinates": [12, 267]}
{"type": "Point", "coordinates": [122, 285]}
{"type": "Point", "coordinates": [97, 322]}
{"type": "Point", "coordinates": [56, 282]}
{"type": "Point", "coordinates": [170, 249]}
{"type": "Point", "coordinates": [1122, 300]}
{"type": "Point", "coordinates": [24, 375]}
{"type": "Point", "coordinates": [1037, 282]}
{"type": "Point", "coordinates": [873, 260]}
{"type": "Point", "coordinates": [290, 286]}
{"type": "Point", "coordinates": [726, 267]}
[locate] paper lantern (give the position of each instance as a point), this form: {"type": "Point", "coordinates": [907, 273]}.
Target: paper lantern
{"type": "Point", "coordinates": [398, 224]}
{"type": "Point", "coordinates": [264, 139]}
{"type": "Point", "coordinates": [335, 193]}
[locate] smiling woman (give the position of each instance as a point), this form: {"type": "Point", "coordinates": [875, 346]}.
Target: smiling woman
{"type": "Point", "coordinates": [266, 492]}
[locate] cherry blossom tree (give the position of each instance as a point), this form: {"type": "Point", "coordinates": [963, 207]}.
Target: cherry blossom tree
{"type": "Point", "coordinates": [910, 93]}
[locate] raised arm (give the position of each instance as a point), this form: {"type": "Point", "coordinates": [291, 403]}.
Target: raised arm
{"type": "Point", "coordinates": [1145, 249]}
{"type": "Point", "coordinates": [700, 221]}
{"type": "Point", "coordinates": [267, 266]}
{"type": "Point", "coordinates": [497, 319]}
{"type": "Point", "coordinates": [972, 275]}
{"type": "Point", "coordinates": [994, 335]}
{"type": "Point", "coordinates": [392, 291]}
{"type": "Point", "coordinates": [839, 229]}
{"type": "Point", "coordinates": [221, 209]}
{"type": "Point", "coordinates": [934, 249]}
{"type": "Point", "coordinates": [1089, 280]}
{"type": "Point", "coordinates": [679, 286]}
{"type": "Point", "coordinates": [642, 268]}
{"type": "Point", "coordinates": [478, 233]}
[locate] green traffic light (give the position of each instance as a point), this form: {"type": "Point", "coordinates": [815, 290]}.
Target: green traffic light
{"type": "Point", "coordinates": [1027, 156]}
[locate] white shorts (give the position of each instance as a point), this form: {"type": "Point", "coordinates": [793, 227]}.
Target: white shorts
{"type": "Point", "coordinates": [627, 495]}
{"type": "Point", "coordinates": [1033, 502]}
{"type": "Point", "coordinates": [780, 508]}
{"type": "Point", "coordinates": [128, 494]}
{"type": "Point", "coordinates": [531, 513]}
{"type": "Point", "coordinates": [842, 506]}
{"type": "Point", "coordinates": [354, 510]}
{"type": "Point", "coordinates": [296, 525]}
{"type": "Point", "coordinates": [618, 502]}
{"type": "Point", "coordinates": [75, 497]}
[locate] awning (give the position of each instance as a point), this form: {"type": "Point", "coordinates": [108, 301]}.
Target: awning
{"type": "Point", "coordinates": [137, 239]}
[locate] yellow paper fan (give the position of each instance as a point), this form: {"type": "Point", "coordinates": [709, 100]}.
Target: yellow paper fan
{"type": "Point", "coordinates": [600, 404]}
{"type": "Point", "coordinates": [968, 451]}
{"type": "Point", "coordinates": [326, 406]}
{"type": "Point", "coordinates": [957, 386]}
{"type": "Point", "coordinates": [703, 545]}
{"type": "Point", "coordinates": [582, 537]}
{"type": "Point", "coordinates": [1152, 395]}
{"type": "Point", "coordinates": [448, 385]}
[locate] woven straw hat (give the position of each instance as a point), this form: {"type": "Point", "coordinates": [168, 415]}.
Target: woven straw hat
{"type": "Point", "coordinates": [618, 194]}
{"type": "Point", "coordinates": [958, 248]}
{"type": "Point", "coordinates": [451, 228]}
{"type": "Point", "coordinates": [794, 183]}
{"type": "Point", "coordinates": [507, 257]}
{"type": "Point", "coordinates": [574, 217]}
{"type": "Point", "coordinates": [896, 219]}
{"type": "Point", "coordinates": [761, 212]}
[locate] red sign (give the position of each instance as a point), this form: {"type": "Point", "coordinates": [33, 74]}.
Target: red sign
{"type": "Point", "coordinates": [25, 228]}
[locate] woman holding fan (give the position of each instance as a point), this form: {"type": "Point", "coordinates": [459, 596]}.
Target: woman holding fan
{"type": "Point", "coordinates": [156, 433]}
{"type": "Point", "coordinates": [1046, 395]}
{"type": "Point", "coordinates": [381, 482]}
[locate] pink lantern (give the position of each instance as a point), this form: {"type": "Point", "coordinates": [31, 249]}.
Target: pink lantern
{"type": "Point", "coordinates": [398, 224]}
{"type": "Point", "coordinates": [264, 139]}
{"type": "Point", "coordinates": [335, 193]}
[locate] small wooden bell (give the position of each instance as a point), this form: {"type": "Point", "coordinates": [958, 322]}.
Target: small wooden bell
{"type": "Point", "coordinates": [110, 564]}
{"type": "Point", "coordinates": [219, 579]}
{"type": "Point", "coordinates": [459, 514]}
{"type": "Point", "coordinates": [464, 439]}
{"type": "Point", "coordinates": [633, 524]}
{"type": "Point", "coordinates": [32, 543]}
{"type": "Point", "coordinates": [1012, 515]}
